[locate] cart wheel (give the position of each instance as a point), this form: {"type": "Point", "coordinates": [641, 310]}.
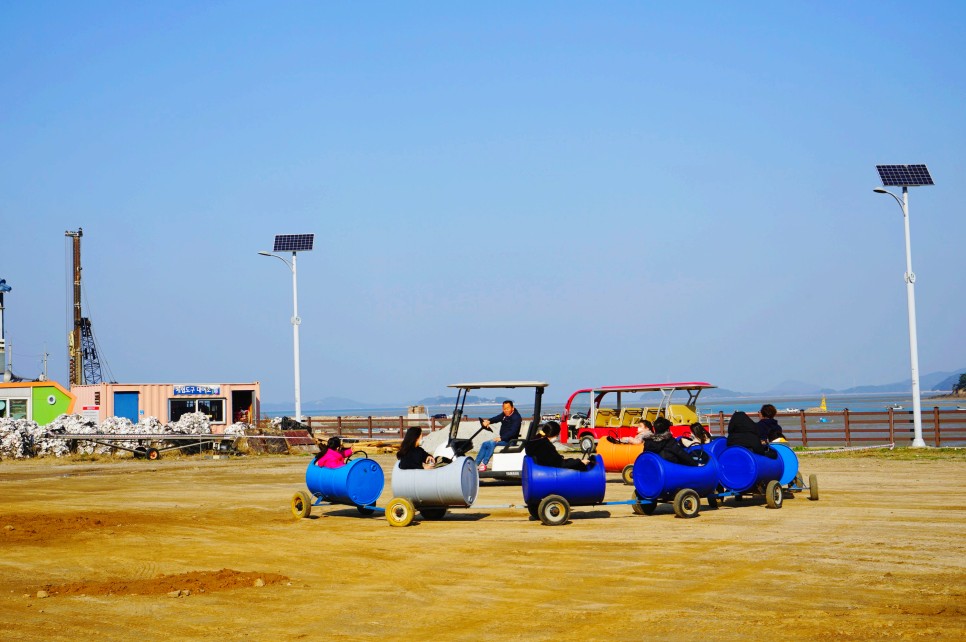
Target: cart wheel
{"type": "Point", "coordinates": [433, 513]}
{"type": "Point", "coordinates": [587, 444]}
{"type": "Point", "coordinates": [628, 474]}
{"type": "Point", "coordinates": [554, 510]}
{"type": "Point", "coordinates": [140, 452]}
{"type": "Point", "coordinates": [400, 512]}
{"type": "Point", "coordinates": [534, 510]}
{"type": "Point", "coordinates": [686, 503]}
{"type": "Point", "coordinates": [153, 454]}
{"type": "Point", "coordinates": [301, 504]}
{"type": "Point", "coordinates": [713, 501]}
{"type": "Point", "coordinates": [774, 496]}
{"type": "Point", "coordinates": [365, 510]}
{"type": "Point", "coordinates": [642, 509]}
{"type": "Point", "coordinates": [799, 482]}
{"type": "Point", "coordinates": [813, 487]}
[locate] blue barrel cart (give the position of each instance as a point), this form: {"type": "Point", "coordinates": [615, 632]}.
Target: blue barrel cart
{"type": "Point", "coordinates": [359, 483]}
{"type": "Point", "coordinates": [432, 491]}
{"type": "Point", "coordinates": [745, 473]}
{"type": "Point", "coordinates": [657, 480]}
{"type": "Point", "coordinates": [549, 493]}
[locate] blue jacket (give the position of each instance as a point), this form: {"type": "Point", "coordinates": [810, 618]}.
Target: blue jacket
{"type": "Point", "coordinates": [509, 426]}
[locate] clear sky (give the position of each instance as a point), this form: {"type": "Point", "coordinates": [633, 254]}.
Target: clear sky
{"type": "Point", "coordinates": [584, 193]}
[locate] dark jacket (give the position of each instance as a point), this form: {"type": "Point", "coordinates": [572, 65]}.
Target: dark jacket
{"type": "Point", "coordinates": [544, 453]}
{"type": "Point", "coordinates": [509, 426]}
{"type": "Point", "coordinates": [414, 459]}
{"type": "Point", "coordinates": [665, 445]}
{"type": "Point", "coordinates": [769, 430]}
{"type": "Point", "coordinates": [743, 431]}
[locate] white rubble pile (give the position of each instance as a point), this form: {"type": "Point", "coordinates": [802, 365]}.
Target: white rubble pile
{"type": "Point", "coordinates": [238, 429]}
{"type": "Point", "coordinates": [15, 439]}
{"type": "Point", "coordinates": [192, 423]}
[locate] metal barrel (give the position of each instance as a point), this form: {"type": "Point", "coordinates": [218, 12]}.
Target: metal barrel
{"type": "Point", "coordinates": [617, 456]}
{"type": "Point", "coordinates": [790, 460]}
{"type": "Point", "coordinates": [657, 478]}
{"type": "Point", "coordinates": [456, 484]}
{"type": "Point", "coordinates": [741, 469]}
{"type": "Point", "coordinates": [578, 487]}
{"type": "Point", "coordinates": [358, 483]}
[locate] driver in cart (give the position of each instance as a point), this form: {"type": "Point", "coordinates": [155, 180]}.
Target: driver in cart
{"type": "Point", "coordinates": [510, 422]}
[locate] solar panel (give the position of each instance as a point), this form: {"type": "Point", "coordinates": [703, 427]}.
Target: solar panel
{"type": "Point", "coordinates": [294, 242]}
{"type": "Point", "coordinates": [904, 175]}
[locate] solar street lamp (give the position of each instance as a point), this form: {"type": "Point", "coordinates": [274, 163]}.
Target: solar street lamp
{"type": "Point", "coordinates": [907, 176]}
{"type": "Point", "coordinates": [294, 243]}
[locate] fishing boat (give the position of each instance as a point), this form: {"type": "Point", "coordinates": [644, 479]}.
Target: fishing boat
{"type": "Point", "coordinates": [895, 406]}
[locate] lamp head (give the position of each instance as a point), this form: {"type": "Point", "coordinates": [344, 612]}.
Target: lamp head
{"type": "Point", "coordinates": [880, 190]}
{"type": "Point", "coordinates": [264, 253]}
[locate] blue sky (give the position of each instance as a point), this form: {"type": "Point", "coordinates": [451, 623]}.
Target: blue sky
{"type": "Point", "coordinates": [585, 193]}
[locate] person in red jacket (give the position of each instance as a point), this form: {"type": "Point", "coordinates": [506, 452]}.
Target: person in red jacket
{"type": "Point", "coordinates": [332, 454]}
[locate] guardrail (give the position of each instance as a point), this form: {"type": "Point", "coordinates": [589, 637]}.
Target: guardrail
{"type": "Point", "coordinates": [844, 427]}
{"type": "Point", "coordinates": [388, 428]}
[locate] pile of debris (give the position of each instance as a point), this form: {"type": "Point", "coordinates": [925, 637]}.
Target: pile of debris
{"type": "Point", "coordinates": [22, 438]}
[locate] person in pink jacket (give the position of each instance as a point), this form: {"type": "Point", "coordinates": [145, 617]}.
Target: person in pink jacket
{"type": "Point", "coordinates": [332, 454]}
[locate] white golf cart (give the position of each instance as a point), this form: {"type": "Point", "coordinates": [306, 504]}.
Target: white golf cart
{"type": "Point", "coordinates": [507, 461]}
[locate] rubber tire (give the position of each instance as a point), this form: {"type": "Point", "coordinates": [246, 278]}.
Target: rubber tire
{"type": "Point", "coordinates": [713, 502]}
{"type": "Point", "coordinates": [813, 487]}
{"type": "Point", "coordinates": [587, 444]}
{"type": "Point", "coordinates": [686, 503]}
{"type": "Point", "coordinates": [433, 513]}
{"type": "Point", "coordinates": [365, 510]}
{"type": "Point", "coordinates": [554, 510]}
{"type": "Point", "coordinates": [301, 504]}
{"type": "Point", "coordinates": [628, 474]}
{"type": "Point", "coordinates": [642, 509]}
{"type": "Point", "coordinates": [400, 512]}
{"type": "Point", "coordinates": [153, 454]}
{"type": "Point", "coordinates": [140, 452]}
{"type": "Point", "coordinates": [774, 495]}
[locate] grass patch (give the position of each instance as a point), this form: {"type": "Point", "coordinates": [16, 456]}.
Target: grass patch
{"type": "Point", "coordinates": [897, 454]}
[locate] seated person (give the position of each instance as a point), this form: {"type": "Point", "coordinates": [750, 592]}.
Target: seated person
{"type": "Point", "coordinates": [768, 428]}
{"type": "Point", "coordinates": [411, 456]}
{"type": "Point", "coordinates": [698, 436]}
{"type": "Point", "coordinates": [332, 454]}
{"type": "Point", "coordinates": [743, 431]}
{"type": "Point", "coordinates": [545, 454]}
{"type": "Point", "coordinates": [664, 444]}
{"type": "Point", "coordinates": [510, 422]}
{"type": "Point", "coordinates": [645, 430]}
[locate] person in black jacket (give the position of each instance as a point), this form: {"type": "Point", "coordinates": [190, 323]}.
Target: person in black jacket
{"type": "Point", "coordinates": [545, 454]}
{"type": "Point", "coordinates": [769, 429]}
{"type": "Point", "coordinates": [743, 431]}
{"type": "Point", "coordinates": [510, 423]}
{"type": "Point", "coordinates": [664, 444]}
{"type": "Point", "coordinates": [411, 456]}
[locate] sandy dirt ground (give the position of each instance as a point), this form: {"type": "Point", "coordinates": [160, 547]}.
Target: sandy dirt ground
{"type": "Point", "coordinates": [208, 549]}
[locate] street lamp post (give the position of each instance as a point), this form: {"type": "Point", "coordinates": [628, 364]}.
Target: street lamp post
{"type": "Point", "coordinates": [905, 176]}
{"type": "Point", "coordinates": [294, 243]}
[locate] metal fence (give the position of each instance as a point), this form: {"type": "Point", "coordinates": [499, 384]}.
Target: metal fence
{"type": "Point", "coordinates": [370, 428]}
{"type": "Point", "coordinates": [847, 428]}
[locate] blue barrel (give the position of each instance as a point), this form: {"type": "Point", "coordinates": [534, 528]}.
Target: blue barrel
{"type": "Point", "coordinates": [358, 483]}
{"type": "Point", "coordinates": [454, 485]}
{"type": "Point", "coordinates": [741, 469]}
{"type": "Point", "coordinates": [578, 487]}
{"type": "Point", "coordinates": [657, 478]}
{"type": "Point", "coordinates": [790, 459]}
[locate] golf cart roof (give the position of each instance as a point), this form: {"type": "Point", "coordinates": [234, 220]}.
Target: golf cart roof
{"type": "Point", "coordinates": [648, 387]}
{"type": "Point", "coordinates": [499, 384]}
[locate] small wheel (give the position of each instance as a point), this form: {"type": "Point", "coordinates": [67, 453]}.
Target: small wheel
{"type": "Point", "coordinates": [641, 508]}
{"type": "Point", "coordinates": [301, 504]}
{"type": "Point", "coordinates": [400, 512]}
{"type": "Point", "coordinates": [152, 454]}
{"type": "Point", "coordinates": [140, 452]}
{"type": "Point", "coordinates": [587, 444]}
{"type": "Point", "coordinates": [534, 510]}
{"type": "Point", "coordinates": [554, 510]}
{"type": "Point", "coordinates": [628, 474]}
{"type": "Point", "coordinates": [686, 503]}
{"type": "Point", "coordinates": [712, 502]}
{"type": "Point", "coordinates": [799, 482]}
{"type": "Point", "coordinates": [813, 487]}
{"type": "Point", "coordinates": [433, 513]}
{"type": "Point", "coordinates": [365, 510]}
{"type": "Point", "coordinates": [774, 496]}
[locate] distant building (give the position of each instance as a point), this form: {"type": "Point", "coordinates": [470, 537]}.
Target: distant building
{"type": "Point", "coordinates": [224, 403]}
{"type": "Point", "coordinates": [40, 401]}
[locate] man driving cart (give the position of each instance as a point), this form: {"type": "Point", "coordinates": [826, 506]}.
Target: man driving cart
{"type": "Point", "coordinates": [510, 422]}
